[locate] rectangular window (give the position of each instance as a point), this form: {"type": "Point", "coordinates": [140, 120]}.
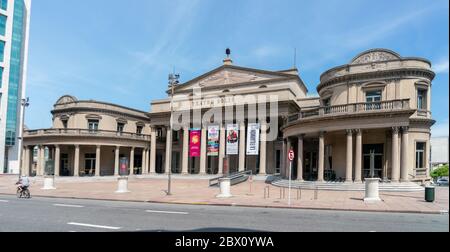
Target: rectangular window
{"type": "Point", "coordinates": [420, 155]}
{"type": "Point", "coordinates": [2, 25]}
{"type": "Point", "coordinates": [64, 122]}
{"type": "Point", "coordinates": [373, 99]}
{"type": "Point", "coordinates": [93, 126]}
{"type": "Point", "coordinates": [2, 51]}
{"type": "Point", "coordinates": [4, 4]}
{"type": "Point", "coordinates": [139, 130]}
{"type": "Point", "coordinates": [120, 127]}
{"type": "Point", "coordinates": [422, 99]}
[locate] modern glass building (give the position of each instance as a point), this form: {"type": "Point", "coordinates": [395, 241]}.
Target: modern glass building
{"type": "Point", "coordinates": [14, 32]}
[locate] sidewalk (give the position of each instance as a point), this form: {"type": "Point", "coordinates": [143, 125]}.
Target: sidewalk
{"type": "Point", "coordinates": [196, 191]}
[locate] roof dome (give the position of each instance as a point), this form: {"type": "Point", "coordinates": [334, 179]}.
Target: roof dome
{"type": "Point", "coordinates": [66, 99]}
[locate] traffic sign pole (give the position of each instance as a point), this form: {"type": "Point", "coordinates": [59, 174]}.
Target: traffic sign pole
{"type": "Point", "coordinates": [291, 157]}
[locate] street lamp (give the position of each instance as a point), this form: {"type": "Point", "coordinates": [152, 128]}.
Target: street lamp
{"type": "Point", "coordinates": [173, 82]}
{"type": "Point", "coordinates": [24, 103]}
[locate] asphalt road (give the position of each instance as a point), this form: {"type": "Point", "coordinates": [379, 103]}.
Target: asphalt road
{"type": "Point", "coordinates": [67, 215]}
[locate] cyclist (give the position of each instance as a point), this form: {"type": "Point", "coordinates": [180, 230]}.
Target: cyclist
{"type": "Point", "coordinates": [24, 183]}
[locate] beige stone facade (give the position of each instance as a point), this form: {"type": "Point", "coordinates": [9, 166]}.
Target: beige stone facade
{"type": "Point", "coordinates": [374, 112]}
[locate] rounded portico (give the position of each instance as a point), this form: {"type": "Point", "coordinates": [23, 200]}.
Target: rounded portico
{"type": "Point", "coordinates": [88, 138]}
{"type": "Point", "coordinates": [372, 118]}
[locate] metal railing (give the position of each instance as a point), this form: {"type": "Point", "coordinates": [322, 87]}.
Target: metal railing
{"type": "Point", "coordinates": [85, 132]}
{"type": "Point", "coordinates": [236, 178]}
{"type": "Point", "coordinates": [383, 106]}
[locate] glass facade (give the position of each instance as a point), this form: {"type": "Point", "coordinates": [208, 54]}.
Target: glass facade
{"type": "Point", "coordinates": [4, 4]}
{"type": "Point", "coordinates": [15, 72]}
{"type": "Point", "coordinates": [2, 25]}
{"type": "Point", "coordinates": [2, 51]}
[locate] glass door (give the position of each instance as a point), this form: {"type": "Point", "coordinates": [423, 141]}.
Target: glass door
{"type": "Point", "coordinates": [373, 155]}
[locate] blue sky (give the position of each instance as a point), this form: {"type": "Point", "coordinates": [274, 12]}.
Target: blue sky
{"type": "Point", "coordinates": [122, 51]}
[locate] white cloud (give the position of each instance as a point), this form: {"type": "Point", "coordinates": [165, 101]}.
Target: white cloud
{"type": "Point", "coordinates": [441, 66]}
{"type": "Point", "coordinates": [266, 51]}
{"type": "Point", "coordinates": [440, 129]}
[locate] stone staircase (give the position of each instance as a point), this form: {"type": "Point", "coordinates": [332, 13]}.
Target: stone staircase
{"type": "Point", "coordinates": [339, 186]}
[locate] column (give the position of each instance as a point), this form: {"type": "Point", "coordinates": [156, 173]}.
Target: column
{"type": "Point", "coordinates": [242, 150]}
{"type": "Point", "coordinates": [283, 159]}
{"type": "Point", "coordinates": [57, 160]}
{"type": "Point", "coordinates": [39, 161]}
{"type": "Point", "coordinates": [168, 166]}
{"type": "Point", "coordinates": [27, 161]}
{"type": "Point", "coordinates": [222, 148]}
{"type": "Point", "coordinates": [321, 156]}
{"type": "Point", "coordinates": [144, 161]}
{"type": "Point", "coordinates": [395, 157]}
{"type": "Point", "coordinates": [358, 158]}
{"type": "Point", "coordinates": [132, 161]}
{"type": "Point", "coordinates": [98, 161]}
{"type": "Point", "coordinates": [203, 152]}
{"type": "Point", "coordinates": [349, 159]}
{"type": "Point", "coordinates": [300, 158]}
{"type": "Point", "coordinates": [263, 149]}
{"type": "Point", "coordinates": [116, 161]}
{"type": "Point", "coordinates": [405, 164]}
{"type": "Point", "coordinates": [153, 152]}
{"type": "Point", "coordinates": [76, 166]}
{"type": "Point", "coordinates": [185, 162]}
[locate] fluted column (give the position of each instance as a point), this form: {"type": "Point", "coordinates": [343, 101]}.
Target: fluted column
{"type": "Point", "coordinates": [168, 150]}
{"type": "Point", "coordinates": [57, 160]}
{"type": "Point", "coordinates": [395, 157]}
{"type": "Point", "coordinates": [222, 147]}
{"type": "Point", "coordinates": [349, 159]}
{"type": "Point", "coordinates": [300, 158]}
{"type": "Point", "coordinates": [76, 166]}
{"type": "Point", "coordinates": [405, 158]}
{"type": "Point", "coordinates": [144, 161]}
{"type": "Point", "coordinates": [116, 161]}
{"type": "Point", "coordinates": [132, 161]}
{"type": "Point", "coordinates": [242, 150]}
{"type": "Point", "coordinates": [185, 162]}
{"type": "Point", "coordinates": [39, 161]}
{"type": "Point", "coordinates": [203, 151]}
{"type": "Point", "coordinates": [153, 152]}
{"type": "Point", "coordinates": [283, 159]}
{"type": "Point", "coordinates": [320, 175]}
{"type": "Point", "coordinates": [262, 149]}
{"type": "Point", "coordinates": [358, 158]}
{"type": "Point", "coordinates": [98, 161]}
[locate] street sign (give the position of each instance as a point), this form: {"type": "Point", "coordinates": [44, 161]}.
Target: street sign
{"type": "Point", "coordinates": [291, 155]}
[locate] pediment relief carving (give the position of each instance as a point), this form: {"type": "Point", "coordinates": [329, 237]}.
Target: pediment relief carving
{"type": "Point", "coordinates": [375, 56]}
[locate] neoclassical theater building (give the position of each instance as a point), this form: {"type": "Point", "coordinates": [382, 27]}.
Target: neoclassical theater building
{"type": "Point", "coordinates": [372, 117]}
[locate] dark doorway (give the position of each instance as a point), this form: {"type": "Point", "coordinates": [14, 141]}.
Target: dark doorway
{"type": "Point", "coordinates": [378, 150]}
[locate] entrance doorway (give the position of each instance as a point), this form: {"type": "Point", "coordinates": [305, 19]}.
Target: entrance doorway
{"type": "Point", "coordinates": [89, 164]}
{"type": "Point", "coordinates": [376, 159]}
{"type": "Point", "coordinates": [311, 164]}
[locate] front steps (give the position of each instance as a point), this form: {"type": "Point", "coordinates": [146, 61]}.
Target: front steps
{"type": "Point", "coordinates": [339, 186]}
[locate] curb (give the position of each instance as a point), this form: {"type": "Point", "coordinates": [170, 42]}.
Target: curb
{"type": "Point", "coordinates": [435, 212]}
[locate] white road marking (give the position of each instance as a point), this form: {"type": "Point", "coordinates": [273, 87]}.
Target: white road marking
{"type": "Point", "coordinates": [93, 226]}
{"type": "Point", "coordinates": [4, 201]}
{"type": "Point", "coordinates": [64, 205]}
{"type": "Point", "coordinates": [166, 212]}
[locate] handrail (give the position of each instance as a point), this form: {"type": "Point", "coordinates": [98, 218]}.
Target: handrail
{"type": "Point", "coordinates": [351, 108]}
{"type": "Point", "coordinates": [85, 132]}
{"type": "Point", "coordinates": [233, 176]}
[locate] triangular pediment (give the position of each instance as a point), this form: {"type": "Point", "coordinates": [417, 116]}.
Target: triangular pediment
{"type": "Point", "coordinates": [230, 75]}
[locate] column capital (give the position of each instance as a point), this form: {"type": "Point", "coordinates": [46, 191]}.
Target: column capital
{"type": "Point", "coordinates": [56, 145]}
{"type": "Point", "coordinates": [301, 136]}
{"type": "Point", "coordinates": [349, 132]}
{"type": "Point", "coordinates": [98, 146]}
{"type": "Point", "coordinates": [322, 133]}
{"type": "Point", "coordinates": [395, 130]}
{"type": "Point", "coordinates": [77, 145]}
{"type": "Point", "coordinates": [358, 131]}
{"type": "Point", "coordinates": [405, 129]}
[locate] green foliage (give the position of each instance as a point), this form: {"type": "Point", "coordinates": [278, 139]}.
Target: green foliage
{"type": "Point", "coordinates": [440, 172]}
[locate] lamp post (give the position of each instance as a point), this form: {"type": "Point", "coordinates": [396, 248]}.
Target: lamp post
{"type": "Point", "coordinates": [24, 103]}
{"type": "Point", "coordinates": [173, 82]}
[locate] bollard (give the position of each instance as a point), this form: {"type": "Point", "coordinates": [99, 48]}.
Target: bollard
{"type": "Point", "coordinates": [299, 194]}
{"type": "Point", "coordinates": [122, 185]}
{"type": "Point", "coordinates": [225, 188]}
{"type": "Point", "coordinates": [49, 183]}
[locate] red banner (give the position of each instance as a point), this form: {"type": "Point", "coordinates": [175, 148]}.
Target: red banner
{"type": "Point", "coordinates": [195, 143]}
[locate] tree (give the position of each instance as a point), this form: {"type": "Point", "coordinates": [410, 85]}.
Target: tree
{"type": "Point", "coordinates": [440, 172]}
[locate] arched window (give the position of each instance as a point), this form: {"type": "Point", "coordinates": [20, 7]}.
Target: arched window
{"type": "Point", "coordinates": [263, 86]}
{"type": "Point", "coordinates": [226, 91]}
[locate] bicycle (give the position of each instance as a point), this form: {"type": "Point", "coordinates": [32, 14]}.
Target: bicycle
{"type": "Point", "coordinates": [23, 193]}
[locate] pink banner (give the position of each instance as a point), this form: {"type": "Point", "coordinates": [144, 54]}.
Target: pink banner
{"type": "Point", "coordinates": [195, 143]}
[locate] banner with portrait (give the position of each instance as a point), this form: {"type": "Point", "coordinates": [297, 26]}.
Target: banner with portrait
{"type": "Point", "coordinates": [253, 139]}
{"type": "Point", "coordinates": [213, 141]}
{"type": "Point", "coordinates": [232, 139]}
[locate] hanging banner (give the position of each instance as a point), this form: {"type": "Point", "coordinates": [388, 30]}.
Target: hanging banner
{"type": "Point", "coordinates": [213, 141]}
{"type": "Point", "coordinates": [195, 142]}
{"type": "Point", "coordinates": [253, 139]}
{"type": "Point", "coordinates": [232, 139]}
